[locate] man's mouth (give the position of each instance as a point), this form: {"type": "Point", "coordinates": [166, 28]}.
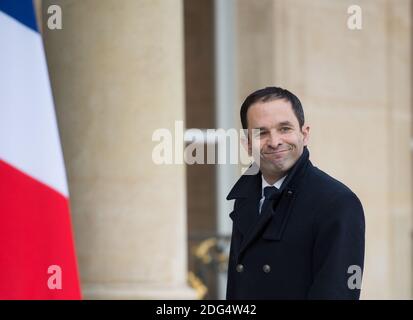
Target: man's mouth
{"type": "Point", "coordinates": [278, 151]}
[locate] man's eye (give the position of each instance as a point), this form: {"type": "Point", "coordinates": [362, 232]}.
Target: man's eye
{"type": "Point", "coordinates": [285, 129]}
{"type": "Point", "coordinates": [256, 134]}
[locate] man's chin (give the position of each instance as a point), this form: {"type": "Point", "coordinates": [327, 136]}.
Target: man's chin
{"type": "Point", "coordinates": [275, 166]}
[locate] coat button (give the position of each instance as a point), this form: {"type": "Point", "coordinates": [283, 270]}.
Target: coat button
{"type": "Point", "coordinates": [240, 268]}
{"type": "Point", "coordinates": [266, 268]}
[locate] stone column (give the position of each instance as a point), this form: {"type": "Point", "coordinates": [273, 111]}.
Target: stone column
{"type": "Point", "coordinates": [117, 74]}
{"type": "Point", "coordinates": [355, 86]}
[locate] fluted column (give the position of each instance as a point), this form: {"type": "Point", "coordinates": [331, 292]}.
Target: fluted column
{"type": "Point", "coordinates": [117, 74]}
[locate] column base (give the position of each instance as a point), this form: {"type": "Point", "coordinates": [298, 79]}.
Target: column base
{"type": "Point", "coordinates": [137, 291]}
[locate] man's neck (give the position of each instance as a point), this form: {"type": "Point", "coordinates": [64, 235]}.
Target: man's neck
{"type": "Point", "coordinates": [271, 179]}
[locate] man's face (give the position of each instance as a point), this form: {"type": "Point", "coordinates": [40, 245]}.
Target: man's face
{"type": "Point", "coordinates": [279, 137]}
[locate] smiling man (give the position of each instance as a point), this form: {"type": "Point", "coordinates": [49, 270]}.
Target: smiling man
{"type": "Point", "coordinates": [297, 232]}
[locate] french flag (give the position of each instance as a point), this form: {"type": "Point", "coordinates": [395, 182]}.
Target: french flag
{"type": "Point", "coordinates": [37, 254]}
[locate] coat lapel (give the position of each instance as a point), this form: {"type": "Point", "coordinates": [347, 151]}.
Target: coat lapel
{"type": "Point", "coordinates": [279, 216]}
{"type": "Point", "coordinates": [272, 222]}
{"type": "Point", "coordinates": [245, 214]}
{"type": "Point", "coordinates": [256, 228]}
{"type": "Point", "coordinates": [245, 217]}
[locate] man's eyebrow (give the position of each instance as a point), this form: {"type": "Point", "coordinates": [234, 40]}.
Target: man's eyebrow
{"type": "Point", "coordinates": [285, 123]}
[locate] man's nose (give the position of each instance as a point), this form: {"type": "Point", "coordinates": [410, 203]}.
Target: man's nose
{"type": "Point", "coordinates": [274, 139]}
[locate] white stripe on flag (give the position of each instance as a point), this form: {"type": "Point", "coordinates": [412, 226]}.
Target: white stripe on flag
{"type": "Point", "coordinates": [30, 138]}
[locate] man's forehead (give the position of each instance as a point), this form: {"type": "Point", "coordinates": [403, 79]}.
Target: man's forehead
{"type": "Point", "coordinates": [271, 114]}
{"type": "Point", "coordinates": [274, 107]}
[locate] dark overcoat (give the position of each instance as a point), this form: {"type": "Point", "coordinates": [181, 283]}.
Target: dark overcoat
{"type": "Point", "coordinates": [308, 244]}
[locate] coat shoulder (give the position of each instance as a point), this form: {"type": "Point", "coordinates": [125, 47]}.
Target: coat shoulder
{"type": "Point", "coordinates": [325, 184]}
{"type": "Point", "coordinates": [329, 191]}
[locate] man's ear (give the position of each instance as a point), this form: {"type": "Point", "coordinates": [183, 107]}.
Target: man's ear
{"type": "Point", "coordinates": [306, 133]}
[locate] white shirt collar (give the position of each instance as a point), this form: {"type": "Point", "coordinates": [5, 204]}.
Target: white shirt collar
{"type": "Point", "coordinates": [277, 184]}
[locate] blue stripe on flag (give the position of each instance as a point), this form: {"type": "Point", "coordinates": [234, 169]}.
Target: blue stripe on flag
{"type": "Point", "coordinates": [21, 10]}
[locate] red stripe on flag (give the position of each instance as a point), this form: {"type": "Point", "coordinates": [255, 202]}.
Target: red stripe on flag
{"type": "Point", "coordinates": [35, 233]}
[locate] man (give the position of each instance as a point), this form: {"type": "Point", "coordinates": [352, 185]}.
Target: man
{"type": "Point", "coordinates": [297, 232]}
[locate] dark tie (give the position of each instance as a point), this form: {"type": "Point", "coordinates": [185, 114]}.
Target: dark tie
{"type": "Point", "coordinates": [270, 194]}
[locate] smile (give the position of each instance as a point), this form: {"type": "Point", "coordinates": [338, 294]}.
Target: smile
{"type": "Point", "coordinates": [279, 151]}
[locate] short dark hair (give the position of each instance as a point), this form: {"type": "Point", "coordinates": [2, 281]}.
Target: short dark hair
{"type": "Point", "coordinates": [270, 94]}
